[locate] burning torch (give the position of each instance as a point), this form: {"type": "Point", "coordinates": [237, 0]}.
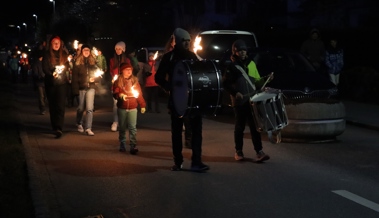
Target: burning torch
{"type": "Point", "coordinates": [58, 70]}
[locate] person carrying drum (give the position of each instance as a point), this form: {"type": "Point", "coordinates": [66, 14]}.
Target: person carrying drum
{"type": "Point", "coordinates": [163, 78]}
{"type": "Point", "coordinates": [239, 80]}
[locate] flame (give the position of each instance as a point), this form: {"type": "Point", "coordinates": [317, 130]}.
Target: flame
{"type": "Point", "coordinates": [59, 69]}
{"type": "Point", "coordinates": [95, 51]}
{"type": "Point", "coordinates": [69, 58]}
{"type": "Point", "coordinates": [76, 43]}
{"type": "Point", "coordinates": [99, 73]}
{"type": "Point", "coordinates": [155, 55]}
{"type": "Point", "coordinates": [196, 44]}
{"type": "Point", "coordinates": [135, 92]}
{"type": "Point", "coordinates": [24, 55]}
{"type": "Point", "coordinates": [115, 77]}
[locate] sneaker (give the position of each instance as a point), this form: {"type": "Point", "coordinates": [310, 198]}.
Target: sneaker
{"type": "Point", "coordinates": [133, 150]}
{"type": "Point", "coordinates": [238, 155]}
{"type": "Point", "coordinates": [199, 167]}
{"type": "Point", "coordinates": [89, 132]}
{"type": "Point", "coordinates": [261, 156]}
{"type": "Point", "coordinates": [80, 128]}
{"type": "Point", "coordinates": [122, 147]}
{"type": "Point", "coordinates": [114, 126]}
{"type": "Point", "coordinates": [176, 167]}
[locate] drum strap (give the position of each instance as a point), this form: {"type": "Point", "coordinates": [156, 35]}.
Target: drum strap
{"type": "Point", "coordinates": [246, 76]}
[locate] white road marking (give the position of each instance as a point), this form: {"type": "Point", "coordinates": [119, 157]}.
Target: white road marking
{"type": "Point", "coordinates": [358, 199]}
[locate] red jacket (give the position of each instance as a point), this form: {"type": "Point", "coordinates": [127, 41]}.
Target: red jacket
{"type": "Point", "coordinates": [115, 62]}
{"type": "Point", "coordinates": [125, 88]}
{"type": "Point", "coordinates": [150, 80]}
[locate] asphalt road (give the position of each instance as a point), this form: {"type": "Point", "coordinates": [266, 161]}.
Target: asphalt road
{"type": "Point", "coordinates": [80, 176]}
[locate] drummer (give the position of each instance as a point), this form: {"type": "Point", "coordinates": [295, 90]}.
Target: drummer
{"type": "Point", "coordinates": [241, 80]}
{"type": "Point", "coordinates": [163, 79]}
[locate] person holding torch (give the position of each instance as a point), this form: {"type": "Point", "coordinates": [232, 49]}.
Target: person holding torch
{"type": "Point", "coordinates": [115, 62]}
{"type": "Point", "coordinates": [55, 65]}
{"type": "Point", "coordinates": [84, 76]}
{"type": "Point", "coordinates": [128, 94]}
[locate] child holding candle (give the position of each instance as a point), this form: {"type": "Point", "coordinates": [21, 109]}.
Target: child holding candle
{"type": "Point", "coordinates": [127, 92]}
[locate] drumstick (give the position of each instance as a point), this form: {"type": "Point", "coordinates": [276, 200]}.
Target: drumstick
{"type": "Point", "coordinates": [268, 79]}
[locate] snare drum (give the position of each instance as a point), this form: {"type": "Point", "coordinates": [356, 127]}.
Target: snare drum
{"type": "Point", "coordinates": [196, 85]}
{"type": "Point", "coordinates": [269, 112]}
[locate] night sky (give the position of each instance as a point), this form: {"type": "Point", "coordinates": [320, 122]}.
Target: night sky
{"type": "Point", "coordinates": [17, 12]}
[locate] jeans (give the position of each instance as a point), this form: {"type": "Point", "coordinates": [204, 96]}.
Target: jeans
{"type": "Point", "coordinates": [115, 113]}
{"type": "Point", "coordinates": [41, 98]}
{"type": "Point", "coordinates": [127, 119]}
{"type": "Point", "coordinates": [242, 114]}
{"type": "Point", "coordinates": [86, 97]}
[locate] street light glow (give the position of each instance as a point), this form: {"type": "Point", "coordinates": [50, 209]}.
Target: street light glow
{"type": "Point", "coordinates": [53, 1]}
{"type": "Point", "coordinates": [26, 27]}
{"type": "Point", "coordinates": [34, 15]}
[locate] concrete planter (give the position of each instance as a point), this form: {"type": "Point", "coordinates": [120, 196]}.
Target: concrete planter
{"type": "Point", "coordinates": [314, 122]}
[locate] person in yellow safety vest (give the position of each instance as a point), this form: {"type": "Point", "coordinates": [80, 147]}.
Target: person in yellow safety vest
{"type": "Point", "coordinates": [240, 80]}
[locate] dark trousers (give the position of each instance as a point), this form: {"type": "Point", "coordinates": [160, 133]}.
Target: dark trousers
{"type": "Point", "coordinates": [41, 98]}
{"type": "Point", "coordinates": [244, 114]}
{"type": "Point", "coordinates": [56, 96]}
{"type": "Point", "coordinates": [196, 123]}
{"type": "Point", "coordinates": [152, 97]}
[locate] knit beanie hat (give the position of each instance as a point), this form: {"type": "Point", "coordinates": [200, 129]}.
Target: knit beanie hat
{"type": "Point", "coordinates": [125, 65]}
{"type": "Point", "coordinates": [121, 45]}
{"type": "Point", "coordinates": [180, 35]}
{"type": "Point", "coordinates": [151, 54]}
{"type": "Point", "coordinates": [85, 46]}
{"type": "Point", "coordinates": [238, 45]}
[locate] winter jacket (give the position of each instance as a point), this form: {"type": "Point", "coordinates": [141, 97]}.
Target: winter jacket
{"type": "Point", "coordinates": [81, 74]}
{"type": "Point", "coordinates": [38, 74]}
{"type": "Point", "coordinates": [49, 68]}
{"type": "Point", "coordinates": [115, 62]}
{"type": "Point", "coordinates": [131, 102]}
{"type": "Point", "coordinates": [150, 80]}
{"type": "Point", "coordinates": [234, 81]}
{"type": "Point", "coordinates": [334, 60]}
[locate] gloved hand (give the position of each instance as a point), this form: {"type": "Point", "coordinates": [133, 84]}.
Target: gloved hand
{"type": "Point", "coordinates": [123, 97]}
{"type": "Point", "coordinates": [239, 95]}
{"type": "Point", "coordinates": [143, 110]}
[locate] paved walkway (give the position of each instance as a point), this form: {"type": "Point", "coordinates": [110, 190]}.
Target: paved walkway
{"type": "Point", "coordinates": [71, 158]}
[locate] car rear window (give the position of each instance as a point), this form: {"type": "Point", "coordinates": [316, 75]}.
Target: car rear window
{"type": "Point", "coordinates": [215, 45]}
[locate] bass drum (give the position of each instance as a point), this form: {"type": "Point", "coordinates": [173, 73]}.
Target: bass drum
{"type": "Point", "coordinates": [196, 87]}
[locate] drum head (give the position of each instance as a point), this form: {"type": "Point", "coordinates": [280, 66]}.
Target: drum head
{"type": "Point", "coordinates": [180, 87]}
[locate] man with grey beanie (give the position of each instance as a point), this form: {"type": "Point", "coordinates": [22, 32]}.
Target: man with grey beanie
{"type": "Point", "coordinates": [163, 78]}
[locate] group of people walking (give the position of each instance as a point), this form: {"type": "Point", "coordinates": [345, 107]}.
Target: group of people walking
{"type": "Point", "coordinates": [128, 95]}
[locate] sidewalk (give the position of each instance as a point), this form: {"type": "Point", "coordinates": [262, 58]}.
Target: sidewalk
{"type": "Point", "coordinates": [361, 114]}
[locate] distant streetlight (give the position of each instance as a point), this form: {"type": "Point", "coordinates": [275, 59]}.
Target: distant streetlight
{"type": "Point", "coordinates": [19, 30]}
{"type": "Point", "coordinates": [26, 27]}
{"type": "Point", "coordinates": [53, 1]}
{"type": "Point", "coordinates": [36, 18]}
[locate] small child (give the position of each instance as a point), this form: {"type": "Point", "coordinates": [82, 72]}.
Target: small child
{"type": "Point", "coordinates": [127, 91]}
